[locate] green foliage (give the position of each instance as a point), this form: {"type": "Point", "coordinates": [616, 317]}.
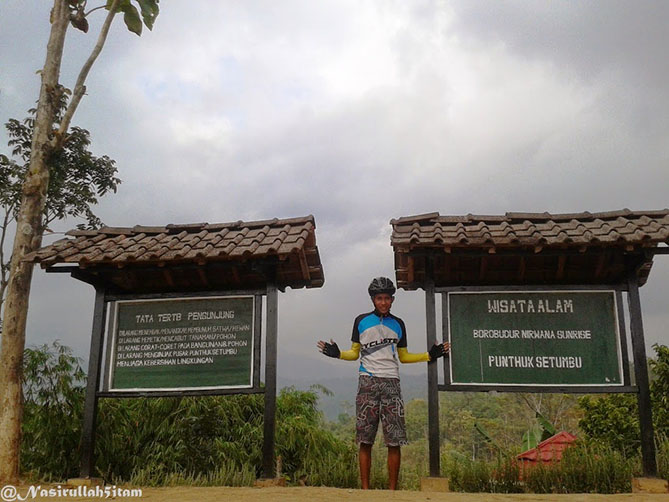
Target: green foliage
{"type": "Point", "coordinates": [663, 457]}
{"type": "Point", "coordinates": [307, 450]}
{"type": "Point", "coordinates": [76, 177]}
{"type": "Point", "coordinates": [530, 439]}
{"type": "Point", "coordinates": [218, 441]}
{"type": "Point", "coordinates": [614, 419]}
{"type": "Point", "coordinates": [466, 475]}
{"type": "Point", "coordinates": [659, 368]}
{"type": "Point", "coordinates": [165, 441]}
{"type": "Point", "coordinates": [585, 467]}
{"type": "Point", "coordinates": [53, 389]}
{"type": "Point", "coordinates": [131, 16]}
{"type": "Point", "coordinates": [172, 440]}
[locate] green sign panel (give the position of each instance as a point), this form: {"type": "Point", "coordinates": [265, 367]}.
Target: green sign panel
{"type": "Point", "coordinates": [544, 338]}
{"type": "Point", "coordinates": [182, 344]}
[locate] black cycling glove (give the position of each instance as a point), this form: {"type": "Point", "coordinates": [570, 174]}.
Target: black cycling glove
{"type": "Point", "coordinates": [331, 350]}
{"type": "Point", "coordinates": [436, 351]}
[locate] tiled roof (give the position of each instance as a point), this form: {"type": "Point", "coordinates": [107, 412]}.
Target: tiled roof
{"type": "Point", "coordinates": [549, 450]}
{"type": "Point", "coordinates": [533, 230]}
{"type": "Point", "coordinates": [613, 234]}
{"type": "Point", "coordinates": [290, 243]}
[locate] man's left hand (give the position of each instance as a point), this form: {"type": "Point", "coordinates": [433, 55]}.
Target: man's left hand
{"type": "Point", "coordinates": [439, 350]}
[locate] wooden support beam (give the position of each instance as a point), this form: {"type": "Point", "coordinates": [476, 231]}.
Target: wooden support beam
{"type": "Point", "coordinates": [269, 467]}
{"type": "Point", "coordinates": [483, 268]}
{"type": "Point", "coordinates": [304, 266]}
{"type": "Point", "coordinates": [432, 372]}
{"type": "Point", "coordinates": [167, 275]}
{"type": "Point", "coordinates": [521, 269]}
{"type": "Point", "coordinates": [87, 466]}
{"type": "Point", "coordinates": [562, 260]}
{"type": "Point", "coordinates": [203, 276]}
{"type": "Point", "coordinates": [601, 262]}
{"type": "Point", "coordinates": [648, 459]}
{"type": "Point", "coordinates": [411, 273]}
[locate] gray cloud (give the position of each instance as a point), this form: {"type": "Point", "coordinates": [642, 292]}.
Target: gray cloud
{"type": "Point", "coordinates": [358, 113]}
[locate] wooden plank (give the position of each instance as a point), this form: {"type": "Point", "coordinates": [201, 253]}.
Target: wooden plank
{"type": "Point", "coordinates": [522, 267]}
{"type": "Point", "coordinates": [269, 469]}
{"type": "Point", "coordinates": [658, 250]}
{"type": "Point", "coordinates": [203, 276]}
{"type": "Point", "coordinates": [623, 338]}
{"type": "Point", "coordinates": [167, 275]}
{"type": "Point", "coordinates": [562, 260]}
{"type": "Point", "coordinates": [601, 261]}
{"type": "Point", "coordinates": [87, 465]}
{"type": "Point", "coordinates": [111, 306]}
{"type": "Point", "coordinates": [445, 336]}
{"type": "Point", "coordinates": [648, 459]}
{"type": "Point", "coordinates": [627, 389]}
{"type": "Point", "coordinates": [483, 267]}
{"type": "Point", "coordinates": [257, 340]}
{"type": "Point", "coordinates": [184, 294]}
{"type": "Point", "coordinates": [535, 287]}
{"type": "Point", "coordinates": [304, 267]}
{"type": "Point", "coordinates": [181, 393]}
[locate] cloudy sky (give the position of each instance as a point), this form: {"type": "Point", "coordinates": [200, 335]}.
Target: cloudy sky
{"type": "Point", "coordinates": [358, 112]}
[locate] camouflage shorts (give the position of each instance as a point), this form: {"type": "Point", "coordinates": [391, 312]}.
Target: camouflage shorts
{"type": "Point", "coordinates": [380, 399]}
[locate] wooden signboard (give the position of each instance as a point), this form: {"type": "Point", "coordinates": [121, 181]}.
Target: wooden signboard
{"type": "Point", "coordinates": [182, 344]}
{"type": "Point", "coordinates": [538, 338]}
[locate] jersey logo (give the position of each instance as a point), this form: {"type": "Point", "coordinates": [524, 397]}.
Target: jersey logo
{"type": "Point", "coordinates": [376, 343]}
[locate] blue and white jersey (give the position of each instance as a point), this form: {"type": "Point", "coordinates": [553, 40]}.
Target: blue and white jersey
{"type": "Point", "coordinates": [379, 337]}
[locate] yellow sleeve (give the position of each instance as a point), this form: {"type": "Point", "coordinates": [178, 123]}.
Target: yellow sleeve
{"type": "Point", "coordinates": [406, 357]}
{"type": "Point", "coordinates": [351, 354]}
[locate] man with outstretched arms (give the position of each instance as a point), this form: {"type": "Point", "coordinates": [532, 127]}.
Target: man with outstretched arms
{"type": "Point", "coordinates": [379, 338]}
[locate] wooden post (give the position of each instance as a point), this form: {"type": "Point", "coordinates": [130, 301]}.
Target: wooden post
{"type": "Point", "coordinates": [623, 339]}
{"type": "Point", "coordinates": [87, 466]}
{"type": "Point", "coordinates": [432, 372]}
{"type": "Point", "coordinates": [641, 372]}
{"type": "Point", "coordinates": [269, 469]}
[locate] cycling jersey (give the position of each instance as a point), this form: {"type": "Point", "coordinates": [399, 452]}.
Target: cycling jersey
{"type": "Point", "coordinates": [379, 337]}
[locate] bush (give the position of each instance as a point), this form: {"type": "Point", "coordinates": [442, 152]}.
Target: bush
{"type": "Point", "coordinates": [614, 419]}
{"type": "Point", "coordinates": [585, 468]}
{"type": "Point", "coordinates": [53, 391]}
{"type": "Point", "coordinates": [164, 441]}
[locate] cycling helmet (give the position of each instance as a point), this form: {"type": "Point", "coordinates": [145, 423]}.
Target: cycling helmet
{"type": "Point", "coordinates": [381, 285]}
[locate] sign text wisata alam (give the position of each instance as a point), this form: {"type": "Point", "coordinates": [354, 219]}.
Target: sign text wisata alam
{"type": "Point", "coordinates": [183, 344]}
{"type": "Point", "coordinates": [534, 338]}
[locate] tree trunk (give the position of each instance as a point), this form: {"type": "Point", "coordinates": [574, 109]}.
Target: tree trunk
{"type": "Point", "coordinates": [28, 238]}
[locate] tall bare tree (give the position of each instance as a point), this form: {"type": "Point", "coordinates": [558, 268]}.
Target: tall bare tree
{"type": "Point", "coordinates": [48, 138]}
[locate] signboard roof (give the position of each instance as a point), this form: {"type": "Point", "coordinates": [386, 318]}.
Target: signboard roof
{"type": "Point", "coordinates": [525, 248]}
{"type": "Point", "coordinates": [191, 257]}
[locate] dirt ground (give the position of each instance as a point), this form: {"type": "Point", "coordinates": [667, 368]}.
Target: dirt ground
{"type": "Point", "coordinates": [319, 494]}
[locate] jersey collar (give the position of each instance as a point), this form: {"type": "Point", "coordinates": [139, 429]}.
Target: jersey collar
{"type": "Point", "coordinates": [380, 315]}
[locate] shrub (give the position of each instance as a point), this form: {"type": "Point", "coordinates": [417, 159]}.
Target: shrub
{"type": "Point", "coordinates": [54, 391]}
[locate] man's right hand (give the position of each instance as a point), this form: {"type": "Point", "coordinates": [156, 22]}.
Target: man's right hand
{"type": "Point", "coordinates": [329, 349]}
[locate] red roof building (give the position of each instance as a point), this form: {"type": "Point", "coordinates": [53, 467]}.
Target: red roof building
{"type": "Point", "coordinates": [549, 450]}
